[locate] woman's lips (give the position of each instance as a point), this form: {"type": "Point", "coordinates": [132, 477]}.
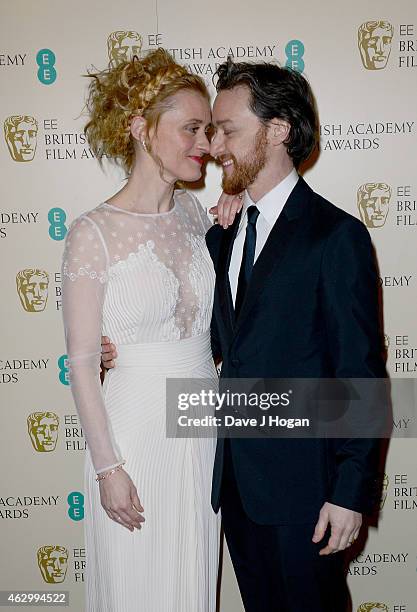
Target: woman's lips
{"type": "Point", "coordinates": [197, 159]}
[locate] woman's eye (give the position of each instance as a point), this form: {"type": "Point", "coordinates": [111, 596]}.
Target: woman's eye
{"type": "Point", "coordinates": [194, 130]}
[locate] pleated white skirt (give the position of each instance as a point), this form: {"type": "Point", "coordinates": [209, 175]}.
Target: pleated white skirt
{"type": "Point", "coordinates": [171, 564]}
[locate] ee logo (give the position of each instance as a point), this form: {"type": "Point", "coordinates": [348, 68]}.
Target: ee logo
{"type": "Point", "coordinates": [45, 58]}
{"type": "Point", "coordinates": [63, 370]}
{"type": "Point", "coordinates": [294, 50]}
{"type": "Point", "coordinates": [57, 227]}
{"type": "Point", "coordinates": [76, 506]}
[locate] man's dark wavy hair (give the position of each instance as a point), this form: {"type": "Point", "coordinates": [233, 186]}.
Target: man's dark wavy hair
{"type": "Point", "coordinates": [276, 93]}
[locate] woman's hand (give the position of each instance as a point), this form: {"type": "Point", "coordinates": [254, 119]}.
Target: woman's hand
{"type": "Point", "coordinates": [227, 208]}
{"type": "Point", "coordinates": [120, 500]}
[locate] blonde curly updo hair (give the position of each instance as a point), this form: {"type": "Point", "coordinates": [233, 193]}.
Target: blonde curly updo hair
{"type": "Point", "coordinates": [142, 86]}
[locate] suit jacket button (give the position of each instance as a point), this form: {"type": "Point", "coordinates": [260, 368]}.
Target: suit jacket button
{"type": "Point", "coordinates": [235, 363]}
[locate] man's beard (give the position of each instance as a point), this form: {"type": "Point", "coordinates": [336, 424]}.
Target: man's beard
{"type": "Point", "coordinates": [246, 171]}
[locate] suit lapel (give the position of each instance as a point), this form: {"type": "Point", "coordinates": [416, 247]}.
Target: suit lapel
{"type": "Point", "coordinates": [276, 246]}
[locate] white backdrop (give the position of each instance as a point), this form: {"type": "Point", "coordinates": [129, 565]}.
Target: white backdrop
{"type": "Point", "coordinates": [368, 137]}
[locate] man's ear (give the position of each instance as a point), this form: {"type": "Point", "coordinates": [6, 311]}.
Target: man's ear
{"type": "Point", "coordinates": [278, 131]}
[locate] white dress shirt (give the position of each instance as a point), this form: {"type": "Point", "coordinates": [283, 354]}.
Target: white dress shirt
{"type": "Point", "coordinates": [270, 207]}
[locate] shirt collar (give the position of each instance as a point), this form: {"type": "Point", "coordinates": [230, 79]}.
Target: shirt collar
{"type": "Point", "coordinates": [272, 203]}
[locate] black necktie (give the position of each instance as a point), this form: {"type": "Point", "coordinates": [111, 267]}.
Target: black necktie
{"type": "Point", "coordinates": [247, 258]}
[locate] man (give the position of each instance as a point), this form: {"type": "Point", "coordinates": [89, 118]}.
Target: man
{"type": "Point", "coordinates": [307, 308]}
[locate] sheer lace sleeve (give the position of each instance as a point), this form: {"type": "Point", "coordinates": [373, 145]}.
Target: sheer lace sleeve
{"type": "Point", "coordinates": [84, 278]}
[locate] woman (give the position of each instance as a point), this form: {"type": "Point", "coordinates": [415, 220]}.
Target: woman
{"type": "Point", "coordinates": [136, 268]}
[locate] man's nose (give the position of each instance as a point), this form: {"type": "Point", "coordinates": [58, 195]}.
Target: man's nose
{"type": "Point", "coordinates": [26, 139]}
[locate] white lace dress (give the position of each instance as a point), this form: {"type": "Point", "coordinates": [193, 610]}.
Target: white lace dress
{"type": "Point", "coordinates": [147, 282]}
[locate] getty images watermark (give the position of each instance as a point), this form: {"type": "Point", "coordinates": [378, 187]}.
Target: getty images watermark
{"type": "Point", "coordinates": [287, 408]}
{"type": "Point", "coordinates": [227, 400]}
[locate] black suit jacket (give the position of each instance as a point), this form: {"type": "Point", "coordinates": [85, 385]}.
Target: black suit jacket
{"type": "Point", "coordinates": [311, 311]}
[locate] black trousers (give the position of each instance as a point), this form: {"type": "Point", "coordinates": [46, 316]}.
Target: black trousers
{"type": "Point", "coordinates": [278, 567]}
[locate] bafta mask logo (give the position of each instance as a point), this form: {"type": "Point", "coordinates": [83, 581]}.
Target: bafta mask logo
{"type": "Point", "coordinates": [386, 341]}
{"type": "Point", "coordinates": [373, 607]}
{"type": "Point", "coordinates": [122, 46]}
{"type": "Point", "coordinates": [374, 41]}
{"type": "Point", "coordinates": [385, 483]}
{"type": "Point", "coordinates": [53, 563]}
{"type": "Point", "coordinates": [43, 431]}
{"type": "Point", "coordinates": [32, 289]}
{"type": "Point", "coordinates": [20, 133]}
{"type": "Point", "coordinates": [373, 203]}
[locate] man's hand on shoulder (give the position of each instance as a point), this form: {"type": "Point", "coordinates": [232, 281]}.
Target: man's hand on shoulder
{"type": "Point", "coordinates": [344, 527]}
{"type": "Point", "coordinates": [108, 353]}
